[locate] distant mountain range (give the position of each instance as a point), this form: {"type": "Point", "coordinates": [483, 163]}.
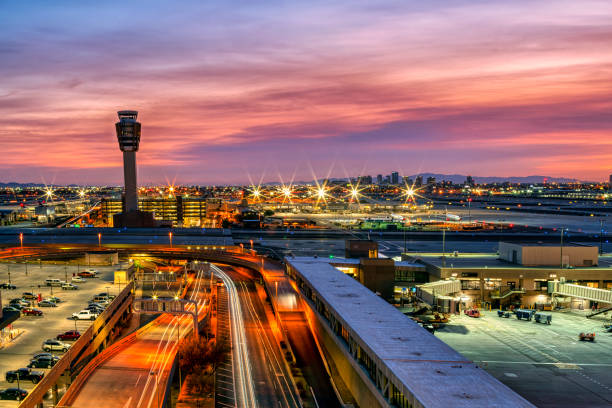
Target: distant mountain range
{"type": "Point", "coordinates": [454, 178]}
{"type": "Point", "coordinates": [460, 178]}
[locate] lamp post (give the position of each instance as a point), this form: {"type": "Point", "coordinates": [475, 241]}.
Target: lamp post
{"type": "Point", "coordinates": [601, 232]}
{"type": "Point", "coordinates": [561, 248]}
{"type": "Point", "coordinates": [8, 270]}
{"type": "Point", "coordinates": [444, 247]}
{"type": "Point", "coordinates": [99, 240]}
{"type": "Point", "coordinates": [21, 239]}
{"type": "Point", "coordinates": [170, 237]}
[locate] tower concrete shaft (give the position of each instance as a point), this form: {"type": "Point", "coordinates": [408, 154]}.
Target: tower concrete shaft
{"type": "Point", "coordinates": [130, 177]}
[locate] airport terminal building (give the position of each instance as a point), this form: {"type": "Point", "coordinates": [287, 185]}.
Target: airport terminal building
{"type": "Point", "coordinates": [519, 273]}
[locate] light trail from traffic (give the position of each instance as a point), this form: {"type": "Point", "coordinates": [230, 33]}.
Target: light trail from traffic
{"type": "Point", "coordinates": [160, 366]}
{"type": "Point", "coordinates": [276, 364]}
{"type": "Point", "coordinates": [246, 389]}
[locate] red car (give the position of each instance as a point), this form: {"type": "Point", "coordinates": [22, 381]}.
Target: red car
{"type": "Point", "coordinates": [31, 312]}
{"type": "Point", "coordinates": [69, 335]}
{"type": "Point", "coordinates": [86, 274]}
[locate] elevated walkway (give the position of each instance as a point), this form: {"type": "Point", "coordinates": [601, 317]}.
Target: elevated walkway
{"type": "Point", "coordinates": [386, 359]}
{"type": "Point", "coordinates": [578, 291]}
{"type": "Point", "coordinates": [429, 292]}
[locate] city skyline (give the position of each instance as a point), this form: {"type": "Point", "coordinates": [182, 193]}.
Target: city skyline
{"type": "Point", "coordinates": [224, 90]}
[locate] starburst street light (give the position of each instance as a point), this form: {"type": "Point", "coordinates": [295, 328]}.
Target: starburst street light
{"type": "Point", "coordinates": [256, 192]}
{"type": "Point", "coordinates": [82, 193]}
{"type": "Point", "coordinates": [410, 193]}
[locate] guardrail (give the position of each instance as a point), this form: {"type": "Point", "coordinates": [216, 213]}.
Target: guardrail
{"type": "Point", "coordinates": [84, 347]}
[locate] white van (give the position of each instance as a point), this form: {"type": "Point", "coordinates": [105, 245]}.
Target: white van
{"type": "Point", "coordinates": [53, 282]}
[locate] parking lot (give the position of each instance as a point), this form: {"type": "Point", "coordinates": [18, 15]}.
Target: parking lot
{"type": "Point", "coordinates": [55, 320]}
{"type": "Point", "coordinates": [546, 364]}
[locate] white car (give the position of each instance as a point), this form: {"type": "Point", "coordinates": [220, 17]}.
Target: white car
{"type": "Point", "coordinates": [77, 279]}
{"type": "Point", "coordinates": [85, 315]}
{"type": "Point", "coordinates": [91, 270]}
{"type": "Point", "coordinates": [55, 345]}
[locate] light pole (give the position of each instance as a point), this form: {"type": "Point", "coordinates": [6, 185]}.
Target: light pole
{"type": "Point", "coordinates": [469, 209]}
{"type": "Point", "coordinates": [170, 237]}
{"type": "Point", "coordinates": [561, 248]}
{"type": "Point", "coordinates": [443, 247]}
{"type": "Point", "coordinates": [99, 240]}
{"type": "Point", "coordinates": [601, 232]}
{"type": "Point", "coordinates": [26, 267]}
{"type": "Point", "coordinates": [8, 270]}
{"type": "Point", "coordinates": [21, 239]}
{"type": "Point", "coordinates": [66, 271]}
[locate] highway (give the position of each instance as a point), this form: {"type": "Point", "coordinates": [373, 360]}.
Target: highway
{"type": "Point", "coordinates": [273, 384]}
{"type": "Point", "coordinates": [135, 375]}
{"type": "Point", "coordinates": [243, 380]}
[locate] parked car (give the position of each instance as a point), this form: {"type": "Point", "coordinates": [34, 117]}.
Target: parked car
{"type": "Point", "coordinates": [69, 335]}
{"type": "Point", "coordinates": [15, 394]}
{"type": "Point", "coordinates": [44, 361]}
{"type": "Point", "coordinates": [24, 374]}
{"type": "Point", "coordinates": [86, 274]}
{"type": "Point", "coordinates": [55, 345]}
{"type": "Point", "coordinates": [31, 312]}
{"type": "Point", "coordinates": [39, 355]}
{"type": "Point", "coordinates": [95, 309]}
{"type": "Point", "coordinates": [100, 301]}
{"type": "Point", "coordinates": [54, 299]}
{"type": "Point", "coordinates": [28, 296]}
{"type": "Point", "coordinates": [10, 309]}
{"type": "Point", "coordinates": [69, 286]}
{"type": "Point", "coordinates": [20, 302]}
{"type": "Point", "coordinates": [54, 282]}
{"type": "Point", "coordinates": [77, 279]}
{"type": "Point", "coordinates": [85, 315]}
{"type": "Point", "coordinates": [9, 286]}
{"type": "Point", "coordinates": [46, 303]}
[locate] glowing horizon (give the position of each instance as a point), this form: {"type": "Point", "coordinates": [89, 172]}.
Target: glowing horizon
{"type": "Point", "coordinates": [230, 90]}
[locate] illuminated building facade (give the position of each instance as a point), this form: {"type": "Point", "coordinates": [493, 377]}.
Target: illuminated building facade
{"type": "Point", "coordinates": [176, 211]}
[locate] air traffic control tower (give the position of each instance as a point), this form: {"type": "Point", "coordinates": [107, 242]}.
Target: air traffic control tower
{"type": "Point", "coordinates": [128, 136]}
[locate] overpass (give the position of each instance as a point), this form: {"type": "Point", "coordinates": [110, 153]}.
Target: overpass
{"type": "Point", "coordinates": [145, 359]}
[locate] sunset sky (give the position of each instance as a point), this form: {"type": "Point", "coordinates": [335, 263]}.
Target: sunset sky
{"type": "Point", "coordinates": [231, 89]}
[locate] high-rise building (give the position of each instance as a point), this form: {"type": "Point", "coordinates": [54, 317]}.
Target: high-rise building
{"type": "Point", "coordinates": [418, 182]}
{"type": "Point", "coordinates": [395, 177]}
{"type": "Point", "coordinates": [431, 181]}
{"type": "Point", "coordinates": [469, 181]}
{"type": "Point", "coordinates": [365, 180]}
{"type": "Point", "coordinates": [379, 179]}
{"type": "Point", "coordinates": [610, 181]}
